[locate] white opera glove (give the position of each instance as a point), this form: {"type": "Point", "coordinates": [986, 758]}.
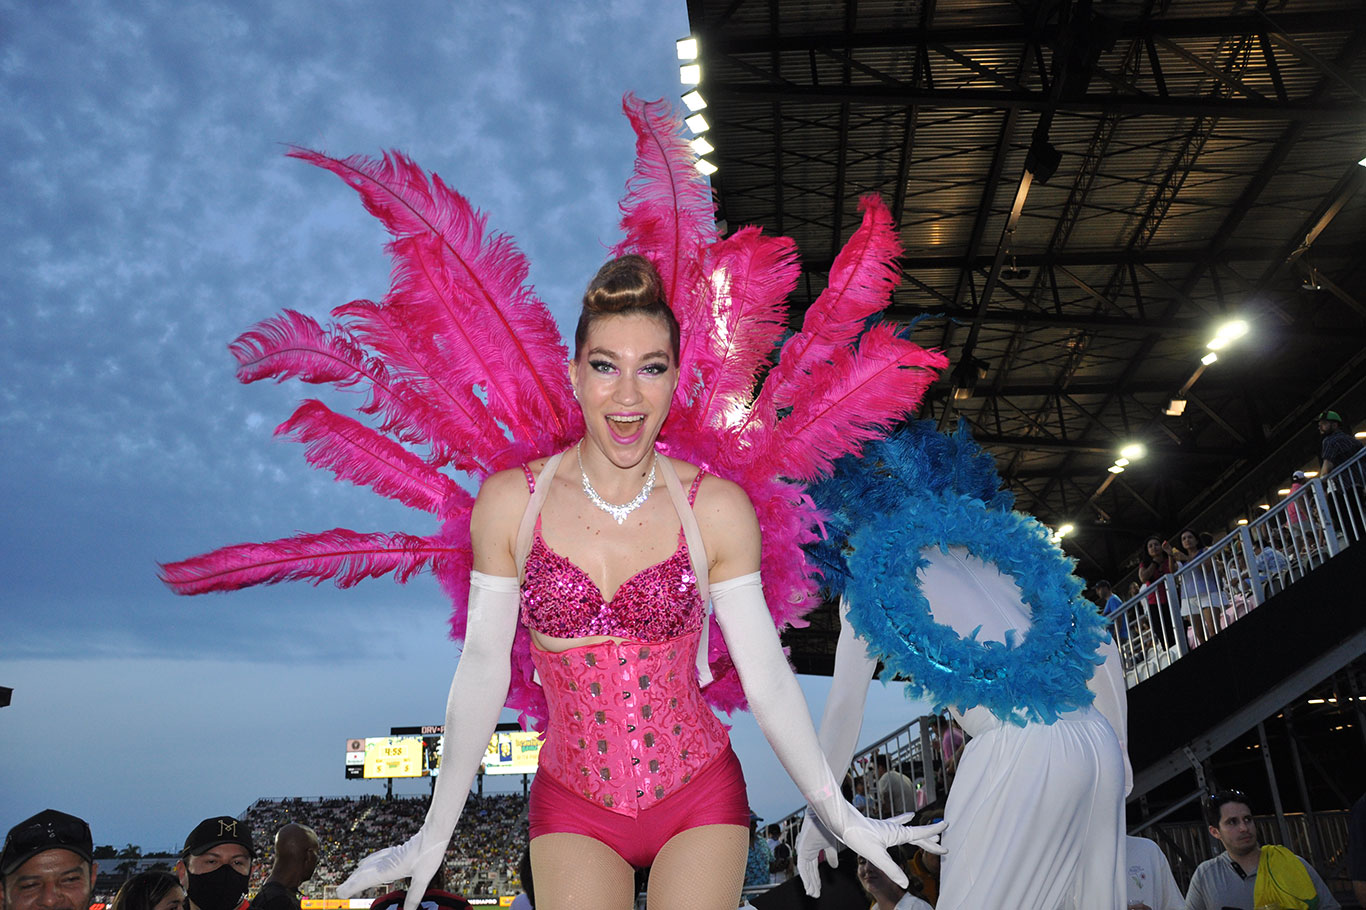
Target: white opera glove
{"type": "Point", "coordinates": [478, 690]}
{"type": "Point", "coordinates": [782, 715]}
{"type": "Point", "coordinates": [840, 725]}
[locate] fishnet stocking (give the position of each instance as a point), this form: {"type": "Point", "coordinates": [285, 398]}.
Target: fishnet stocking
{"type": "Point", "coordinates": [574, 872]}
{"type": "Point", "coordinates": [700, 869]}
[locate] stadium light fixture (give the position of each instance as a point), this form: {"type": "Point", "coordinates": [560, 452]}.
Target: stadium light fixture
{"type": "Point", "coordinates": [1116, 469]}
{"type": "Point", "coordinates": [694, 101]}
{"type": "Point", "coordinates": [1311, 473]}
{"type": "Point", "coordinates": [1284, 492]}
{"type": "Point", "coordinates": [705, 167]}
{"type": "Point", "coordinates": [690, 73]}
{"type": "Point", "coordinates": [1122, 462]}
{"type": "Point", "coordinates": [1066, 529]}
{"type": "Point", "coordinates": [1209, 358]}
{"type": "Point", "coordinates": [701, 146]}
{"type": "Point", "coordinates": [1176, 407]}
{"type": "Point", "coordinates": [1133, 450]}
{"type": "Point", "coordinates": [1242, 521]}
{"type": "Point", "coordinates": [687, 49]}
{"type": "Point", "coordinates": [698, 124]}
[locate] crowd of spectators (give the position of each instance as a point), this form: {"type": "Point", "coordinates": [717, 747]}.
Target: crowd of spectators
{"type": "Point", "coordinates": [482, 858]}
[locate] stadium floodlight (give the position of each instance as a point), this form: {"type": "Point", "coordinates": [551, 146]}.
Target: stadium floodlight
{"type": "Point", "coordinates": [1209, 358]}
{"type": "Point", "coordinates": [694, 100]}
{"type": "Point", "coordinates": [1311, 473]}
{"type": "Point", "coordinates": [701, 146]}
{"type": "Point", "coordinates": [1233, 330]}
{"type": "Point", "coordinates": [1065, 530]}
{"type": "Point", "coordinates": [1133, 451]}
{"type": "Point", "coordinates": [1284, 492]}
{"type": "Point", "coordinates": [698, 124]}
{"type": "Point", "coordinates": [1122, 462]}
{"type": "Point", "coordinates": [705, 167]}
{"type": "Point", "coordinates": [1115, 469]}
{"type": "Point", "coordinates": [690, 73]}
{"type": "Point", "coordinates": [1242, 521]}
{"type": "Point", "coordinates": [687, 48]}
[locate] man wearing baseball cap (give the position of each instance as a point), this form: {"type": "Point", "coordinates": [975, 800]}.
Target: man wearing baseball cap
{"type": "Point", "coordinates": [215, 865]}
{"type": "Point", "coordinates": [46, 864]}
{"type": "Point", "coordinates": [1337, 446]}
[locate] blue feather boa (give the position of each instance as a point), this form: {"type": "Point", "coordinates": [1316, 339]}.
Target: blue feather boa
{"type": "Point", "coordinates": [917, 459]}
{"type": "Point", "coordinates": [919, 489]}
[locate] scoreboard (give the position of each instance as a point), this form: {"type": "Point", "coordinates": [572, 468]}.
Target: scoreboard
{"type": "Point", "coordinates": [416, 752]}
{"type": "Point", "coordinates": [393, 756]}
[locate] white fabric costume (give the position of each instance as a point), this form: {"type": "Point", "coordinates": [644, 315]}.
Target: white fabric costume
{"type": "Point", "coordinates": [1036, 813]}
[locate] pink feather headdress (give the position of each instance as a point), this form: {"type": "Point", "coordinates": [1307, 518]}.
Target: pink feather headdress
{"type": "Point", "coordinates": [463, 363]}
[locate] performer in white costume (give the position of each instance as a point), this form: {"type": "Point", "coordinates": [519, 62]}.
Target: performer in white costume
{"type": "Point", "coordinates": [1035, 814]}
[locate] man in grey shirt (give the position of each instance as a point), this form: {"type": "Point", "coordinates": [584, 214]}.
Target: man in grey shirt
{"type": "Point", "coordinates": [1227, 880]}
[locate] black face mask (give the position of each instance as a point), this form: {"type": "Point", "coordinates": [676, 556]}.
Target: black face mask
{"type": "Point", "coordinates": [221, 889]}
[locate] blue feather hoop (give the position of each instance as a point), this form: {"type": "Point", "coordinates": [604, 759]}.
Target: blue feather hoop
{"type": "Point", "coordinates": [1034, 680]}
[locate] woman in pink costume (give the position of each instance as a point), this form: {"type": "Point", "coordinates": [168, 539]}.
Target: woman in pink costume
{"type": "Point", "coordinates": [636, 770]}
{"type": "Point", "coordinates": [592, 567]}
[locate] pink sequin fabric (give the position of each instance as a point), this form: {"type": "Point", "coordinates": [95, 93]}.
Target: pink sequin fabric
{"type": "Point", "coordinates": [627, 724]}
{"type": "Point", "coordinates": [659, 602]}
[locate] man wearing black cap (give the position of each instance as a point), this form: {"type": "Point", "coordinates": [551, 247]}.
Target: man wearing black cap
{"type": "Point", "coordinates": [46, 864]}
{"type": "Point", "coordinates": [215, 865]}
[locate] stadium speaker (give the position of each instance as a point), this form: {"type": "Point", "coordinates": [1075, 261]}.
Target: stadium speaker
{"type": "Point", "coordinates": [5, 692]}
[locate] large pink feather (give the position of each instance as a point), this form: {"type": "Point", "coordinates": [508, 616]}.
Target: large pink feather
{"type": "Point", "coordinates": [484, 282]}
{"type": "Point", "coordinates": [295, 346]}
{"type": "Point", "coordinates": [850, 399]}
{"type": "Point", "coordinates": [750, 276]}
{"type": "Point", "coordinates": [425, 406]}
{"type": "Point", "coordinates": [668, 216]}
{"type": "Point", "coordinates": [354, 452]}
{"type": "Point", "coordinates": [862, 279]}
{"type": "Point", "coordinates": [345, 557]}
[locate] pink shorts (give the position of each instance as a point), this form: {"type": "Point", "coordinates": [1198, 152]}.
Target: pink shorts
{"type": "Point", "coordinates": [715, 796]}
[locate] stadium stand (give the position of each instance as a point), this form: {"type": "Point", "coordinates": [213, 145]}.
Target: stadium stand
{"type": "Point", "coordinates": [482, 859]}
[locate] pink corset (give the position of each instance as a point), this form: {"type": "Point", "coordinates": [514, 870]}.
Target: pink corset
{"type": "Point", "coordinates": [627, 723]}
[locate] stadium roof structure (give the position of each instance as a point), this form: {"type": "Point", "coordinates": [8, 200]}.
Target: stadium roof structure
{"type": "Point", "coordinates": [1085, 191]}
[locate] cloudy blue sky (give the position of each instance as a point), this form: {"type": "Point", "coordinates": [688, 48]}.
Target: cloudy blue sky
{"type": "Point", "coordinates": [149, 216]}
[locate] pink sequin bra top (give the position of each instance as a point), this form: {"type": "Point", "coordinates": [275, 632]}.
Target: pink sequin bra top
{"type": "Point", "coordinates": [627, 722]}
{"type": "Point", "coordinates": [657, 603]}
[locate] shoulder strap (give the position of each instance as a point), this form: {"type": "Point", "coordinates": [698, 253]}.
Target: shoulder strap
{"type": "Point", "coordinates": [540, 490]}
{"type": "Point", "coordinates": [697, 553]}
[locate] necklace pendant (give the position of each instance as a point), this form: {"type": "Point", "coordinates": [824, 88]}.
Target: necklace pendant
{"type": "Point", "coordinates": [618, 512]}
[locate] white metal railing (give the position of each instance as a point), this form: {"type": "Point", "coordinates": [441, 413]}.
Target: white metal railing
{"type": "Point", "coordinates": [1238, 573]}
{"type": "Point", "coordinates": [906, 770]}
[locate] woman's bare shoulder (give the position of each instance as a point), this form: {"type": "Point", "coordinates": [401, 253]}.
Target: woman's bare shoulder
{"type": "Point", "coordinates": [502, 499]}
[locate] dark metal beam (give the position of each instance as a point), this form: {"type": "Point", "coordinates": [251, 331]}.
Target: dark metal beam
{"type": "Point", "coordinates": [985, 99]}
{"type": "Point", "coordinates": [1122, 257]}
{"type": "Point", "coordinates": [1009, 33]}
{"type": "Point", "coordinates": [1081, 448]}
{"type": "Point", "coordinates": [1108, 324]}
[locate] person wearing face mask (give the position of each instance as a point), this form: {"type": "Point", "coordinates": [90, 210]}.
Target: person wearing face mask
{"type": "Point", "coordinates": [215, 865]}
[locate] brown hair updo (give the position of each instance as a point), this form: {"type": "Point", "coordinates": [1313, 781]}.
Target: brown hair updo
{"type": "Point", "coordinates": [625, 286]}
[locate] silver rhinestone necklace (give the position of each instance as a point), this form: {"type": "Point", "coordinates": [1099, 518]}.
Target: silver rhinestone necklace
{"type": "Point", "coordinates": [617, 512]}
